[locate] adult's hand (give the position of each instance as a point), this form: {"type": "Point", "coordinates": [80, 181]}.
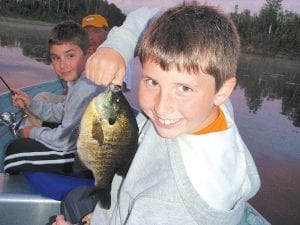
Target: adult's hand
{"type": "Point", "coordinates": [106, 66]}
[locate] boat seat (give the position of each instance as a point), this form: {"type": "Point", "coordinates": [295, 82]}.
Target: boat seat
{"type": "Point", "coordinates": [22, 204]}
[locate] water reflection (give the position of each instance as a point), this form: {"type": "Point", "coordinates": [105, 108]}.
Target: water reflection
{"type": "Point", "coordinates": [31, 39]}
{"type": "Point", "coordinates": [263, 78]}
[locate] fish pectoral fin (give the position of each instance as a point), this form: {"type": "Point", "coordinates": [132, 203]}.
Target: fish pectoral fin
{"type": "Point", "coordinates": [97, 132]}
{"type": "Point", "coordinates": [103, 195]}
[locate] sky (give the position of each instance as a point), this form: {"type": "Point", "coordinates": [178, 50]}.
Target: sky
{"type": "Point", "coordinates": [226, 5]}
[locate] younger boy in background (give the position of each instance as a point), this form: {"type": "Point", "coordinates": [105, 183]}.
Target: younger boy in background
{"type": "Point", "coordinates": [97, 30]}
{"type": "Point", "coordinates": [43, 148]}
{"type": "Point", "coordinates": [192, 166]}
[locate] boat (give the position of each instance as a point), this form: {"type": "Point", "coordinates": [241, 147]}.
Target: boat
{"type": "Point", "coordinates": [21, 203]}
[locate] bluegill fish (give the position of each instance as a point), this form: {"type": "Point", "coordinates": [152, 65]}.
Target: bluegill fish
{"type": "Point", "coordinates": [107, 140]}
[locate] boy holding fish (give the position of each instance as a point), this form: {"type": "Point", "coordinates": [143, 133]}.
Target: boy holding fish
{"type": "Point", "coordinates": [43, 148]}
{"type": "Point", "coordinates": [191, 166]}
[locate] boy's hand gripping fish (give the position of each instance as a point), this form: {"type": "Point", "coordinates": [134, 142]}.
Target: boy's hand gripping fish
{"type": "Point", "coordinates": [107, 140]}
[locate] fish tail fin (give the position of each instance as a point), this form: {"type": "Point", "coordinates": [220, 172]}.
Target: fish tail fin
{"type": "Point", "coordinates": [103, 194]}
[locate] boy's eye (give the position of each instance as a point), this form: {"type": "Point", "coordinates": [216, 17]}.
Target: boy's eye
{"type": "Point", "coordinates": [70, 56]}
{"type": "Point", "coordinates": [54, 57]}
{"type": "Point", "coordinates": [151, 82]}
{"type": "Point", "coordinates": [183, 88]}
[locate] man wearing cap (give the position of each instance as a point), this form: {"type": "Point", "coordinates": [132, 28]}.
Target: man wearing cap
{"type": "Point", "coordinates": [97, 29]}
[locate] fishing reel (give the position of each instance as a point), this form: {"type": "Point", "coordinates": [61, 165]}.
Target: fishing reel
{"type": "Point", "coordinates": [8, 119]}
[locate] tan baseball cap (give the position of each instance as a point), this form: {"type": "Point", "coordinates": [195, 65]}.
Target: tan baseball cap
{"type": "Point", "coordinates": [95, 20]}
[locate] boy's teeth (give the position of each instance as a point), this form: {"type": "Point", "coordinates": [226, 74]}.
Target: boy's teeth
{"type": "Point", "coordinates": [167, 122]}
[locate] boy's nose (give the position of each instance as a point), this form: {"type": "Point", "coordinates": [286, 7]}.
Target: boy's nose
{"type": "Point", "coordinates": [63, 63]}
{"type": "Point", "coordinates": [165, 103]}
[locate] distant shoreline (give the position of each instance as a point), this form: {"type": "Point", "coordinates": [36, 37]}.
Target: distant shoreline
{"type": "Point", "coordinates": [25, 23]}
{"type": "Point", "coordinates": [41, 25]}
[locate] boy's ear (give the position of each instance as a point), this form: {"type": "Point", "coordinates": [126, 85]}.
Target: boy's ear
{"type": "Point", "coordinates": [225, 91]}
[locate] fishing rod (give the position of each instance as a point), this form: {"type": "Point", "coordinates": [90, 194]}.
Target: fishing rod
{"type": "Point", "coordinates": [23, 106]}
{"type": "Point", "coordinates": [8, 87]}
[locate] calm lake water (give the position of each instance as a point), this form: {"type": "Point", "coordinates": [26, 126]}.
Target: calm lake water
{"type": "Point", "coordinates": [266, 104]}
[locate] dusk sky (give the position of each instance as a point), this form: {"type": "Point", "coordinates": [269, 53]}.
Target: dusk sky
{"type": "Point", "coordinates": [227, 5]}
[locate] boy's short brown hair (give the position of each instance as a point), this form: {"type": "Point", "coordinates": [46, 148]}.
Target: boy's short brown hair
{"type": "Point", "coordinates": [193, 38]}
{"type": "Point", "coordinates": [69, 32]}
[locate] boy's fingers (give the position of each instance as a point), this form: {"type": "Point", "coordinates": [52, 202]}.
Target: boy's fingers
{"type": "Point", "coordinates": [106, 66]}
{"type": "Point", "coordinates": [93, 71]}
{"type": "Point", "coordinates": [19, 94]}
{"type": "Point", "coordinates": [119, 78]}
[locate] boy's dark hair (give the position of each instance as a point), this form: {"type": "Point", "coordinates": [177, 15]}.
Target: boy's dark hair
{"type": "Point", "coordinates": [193, 38]}
{"type": "Point", "coordinates": [71, 32]}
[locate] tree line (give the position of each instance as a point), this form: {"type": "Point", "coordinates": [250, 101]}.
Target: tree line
{"type": "Point", "coordinates": [272, 31]}
{"type": "Point", "coordinates": [57, 10]}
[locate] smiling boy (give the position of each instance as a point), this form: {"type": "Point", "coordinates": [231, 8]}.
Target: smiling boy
{"type": "Point", "coordinates": [177, 102]}
{"type": "Point", "coordinates": [43, 148]}
{"type": "Point", "coordinates": [192, 166]}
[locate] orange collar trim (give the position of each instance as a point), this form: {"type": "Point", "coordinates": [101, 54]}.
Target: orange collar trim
{"type": "Point", "coordinates": [219, 124]}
